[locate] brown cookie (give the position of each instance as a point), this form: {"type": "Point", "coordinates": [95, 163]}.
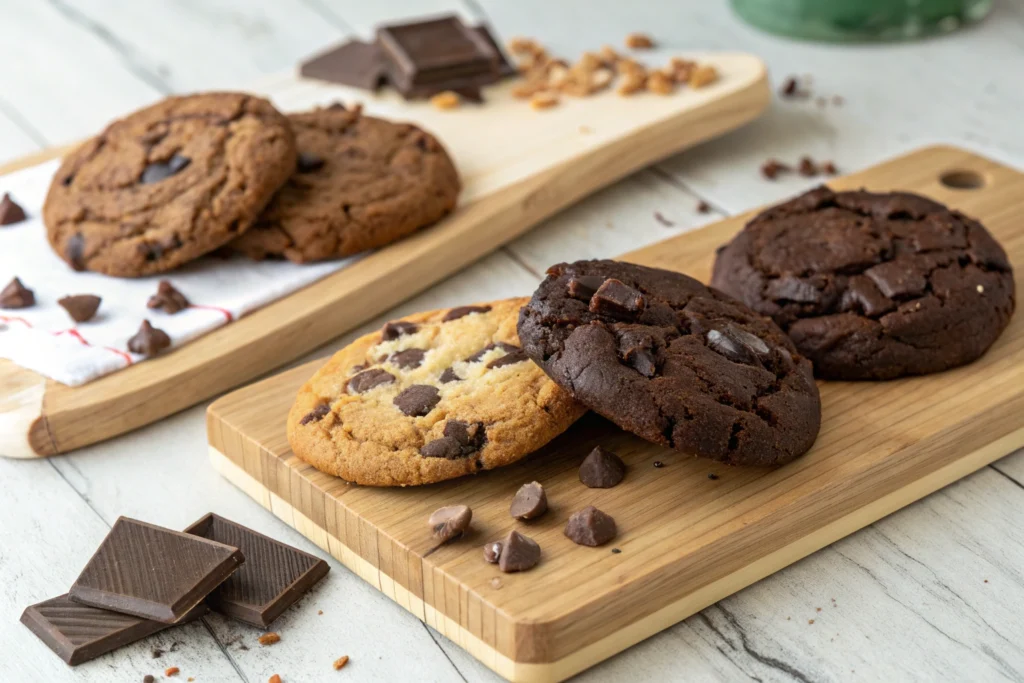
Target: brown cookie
{"type": "Point", "coordinates": [168, 183]}
{"type": "Point", "coordinates": [361, 183]}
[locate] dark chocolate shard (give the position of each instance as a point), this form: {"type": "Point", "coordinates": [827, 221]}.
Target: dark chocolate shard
{"type": "Point", "coordinates": [273, 578]}
{"type": "Point", "coordinates": [308, 162]}
{"type": "Point", "coordinates": [81, 307]}
{"type": "Point", "coordinates": [397, 328]}
{"type": "Point", "coordinates": [616, 299]}
{"type": "Point", "coordinates": [149, 340]}
{"type": "Point", "coordinates": [417, 400]}
{"type": "Point", "coordinates": [450, 522]}
{"type": "Point", "coordinates": [368, 379]}
{"type": "Point", "coordinates": [582, 287]}
{"type": "Point", "coordinates": [530, 501]}
{"type": "Point", "coordinates": [518, 553]}
{"type": "Point", "coordinates": [460, 440]}
{"type": "Point", "coordinates": [408, 359]}
{"type": "Point", "coordinates": [505, 66]}
{"type": "Point", "coordinates": [167, 299]}
{"type": "Point", "coordinates": [10, 212]}
{"type": "Point", "coordinates": [151, 572]}
{"type": "Point", "coordinates": [898, 279]}
{"type": "Point", "coordinates": [590, 527]}
{"type": "Point", "coordinates": [602, 469]}
{"type": "Point", "coordinates": [17, 295]}
{"type": "Point", "coordinates": [355, 63]}
{"type": "Point", "coordinates": [316, 414]}
{"type": "Point", "coordinates": [462, 311]}
{"type": "Point", "coordinates": [738, 345]}
{"type": "Point", "coordinates": [161, 170]}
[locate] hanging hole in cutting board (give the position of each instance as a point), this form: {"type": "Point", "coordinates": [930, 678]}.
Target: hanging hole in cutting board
{"type": "Point", "coordinates": [960, 179]}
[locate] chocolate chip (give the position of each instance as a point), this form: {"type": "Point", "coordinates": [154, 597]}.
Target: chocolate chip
{"type": "Point", "coordinates": [167, 299]}
{"type": "Point", "coordinates": [460, 440]}
{"type": "Point", "coordinates": [74, 251]}
{"type": "Point", "coordinates": [590, 527]}
{"type": "Point", "coordinates": [10, 212]}
{"type": "Point", "coordinates": [738, 345]}
{"type": "Point", "coordinates": [81, 307]}
{"type": "Point", "coordinates": [368, 379]}
{"type": "Point", "coordinates": [658, 464]}
{"type": "Point", "coordinates": [617, 300]}
{"type": "Point", "coordinates": [161, 170]}
{"type": "Point", "coordinates": [616, 551]}
{"type": "Point", "coordinates": [316, 414]}
{"type": "Point", "coordinates": [307, 163]}
{"type": "Point", "coordinates": [661, 219]}
{"type": "Point", "coordinates": [898, 279]}
{"type": "Point", "coordinates": [602, 469]}
{"type": "Point", "coordinates": [16, 295]}
{"type": "Point", "coordinates": [450, 521]}
{"type": "Point", "coordinates": [408, 359]}
{"type": "Point", "coordinates": [529, 502]}
{"type": "Point", "coordinates": [148, 678]}
{"type": "Point", "coordinates": [789, 87]}
{"type": "Point", "coordinates": [829, 168]}
{"type": "Point", "coordinates": [703, 207]}
{"type": "Point", "coordinates": [149, 340]}
{"type": "Point", "coordinates": [771, 168]}
{"type": "Point", "coordinates": [511, 358]}
{"type": "Point", "coordinates": [492, 552]}
{"type": "Point", "coordinates": [518, 553]}
{"type": "Point", "coordinates": [462, 311]}
{"type": "Point", "coordinates": [582, 287]}
{"type": "Point", "coordinates": [449, 375]}
{"type": "Point", "coordinates": [417, 400]}
{"type": "Point", "coordinates": [807, 167]}
{"type": "Point", "coordinates": [507, 348]}
{"type": "Point", "coordinates": [712, 476]}
{"type": "Point", "coordinates": [396, 328]}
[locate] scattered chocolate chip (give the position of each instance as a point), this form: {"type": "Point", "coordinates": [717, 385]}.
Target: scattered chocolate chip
{"type": "Point", "coordinates": [602, 469]}
{"type": "Point", "coordinates": [664, 221]}
{"type": "Point", "coordinates": [449, 375]}
{"type": "Point", "coordinates": [590, 527]}
{"type": "Point", "coordinates": [397, 328]}
{"type": "Point", "coordinates": [507, 348]}
{"type": "Point", "coordinates": [307, 163]}
{"type": "Point", "coordinates": [149, 340]}
{"type": "Point", "coordinates": [74, 251]}
{"type": "Point", "coordinates": [582, 287]}
{"type": "Point", "coordinates": [460, 440]}
{"type": "Point", "coordinates": [829, 168]}
{"type": "Point", "coordinates": [703, 207]}
{"type": "Point", "coordinates": [408, 359]}
{"type": "Point", "coordinates": [518, 553]}
{"type": "Point", "coordinates": [462, 311]}
{"type": "Point", "coordinates": [316, 414]}
{"type": "Point", "coordinates": [492, 552]}
{"type": "Point", "coordinates": [807, 167]}
{"type": "Point", "coordinates": [167, 299]}
{"type": "Point", "coordinates": [529, 502]}
{"type": "Point", "coordinates": [156, 653]}
{"type": "Point", "coordinates": [789, 87]}
{"type": "Point", "coordinates": [10, 212]}
{"type": "Point", "coordinates": [16, 295]}
{"type": "Point", "coordinates": [712, 476]}
{"type": "Point", "coordinates": [772, 168]}
{"type": "Point", "coordinates": [510, 358]}
{"type": "Point", "coordinates": [417, 400]}
{"type": "Point", "coordinates": [658, 464]}
{"type": "Point", "coordinates": [81, 307]}
{"type": "Point", "coordinates": [161, 170]}
{"type": "Point", "coordinates": [616, 299]}
{"type": "Point", "coordinates": [450, 521]}
{"type": "Point", "coordinates": [368, 379]}
{"type": "Point", "coordinates": [616, 551]}
{"type": "Point", "coordinates": [148, 678]}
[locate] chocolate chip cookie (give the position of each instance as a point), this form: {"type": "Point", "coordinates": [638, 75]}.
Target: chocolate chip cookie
{"type": "Point", "coordinates": [872, 286]}
{"type": "Point", "coordinates": [168, 183]}
{"type": "Point", "coordinates": [361, 183]}
{"type": "Point", "coordinates": [673, 361]}
{"type": "Point", "coordinates": [430, 397]}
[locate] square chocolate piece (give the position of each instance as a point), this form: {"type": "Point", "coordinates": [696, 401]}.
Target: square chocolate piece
{"type": "Point", "coordinates": [355, 63]}
{"type": "Point", "coordinates": [505, 67]}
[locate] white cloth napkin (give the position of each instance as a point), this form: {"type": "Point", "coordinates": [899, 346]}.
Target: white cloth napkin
{"type": "Point", "coordinates": [45, 339]}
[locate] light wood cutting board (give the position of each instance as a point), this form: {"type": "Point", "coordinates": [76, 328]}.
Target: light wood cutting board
{"type": "Point", "coordinates": [686, 540]}
{"type": "Point", "coordinates": [518, 166]}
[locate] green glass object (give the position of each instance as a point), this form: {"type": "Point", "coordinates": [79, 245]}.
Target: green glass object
{"type": "Point", "coordinates": [861, 20]}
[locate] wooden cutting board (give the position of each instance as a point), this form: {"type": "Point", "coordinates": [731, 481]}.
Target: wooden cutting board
{"type": "Point", "coordinates": [518, 166]}
{"type": "Point", "coordinates": [687, 540]}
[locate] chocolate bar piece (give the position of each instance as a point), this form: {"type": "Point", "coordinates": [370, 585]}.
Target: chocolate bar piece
{"type": "Point", "coordinates": [79, 633]}
{"type": "Point", "coordinates": [505, 67]}
{"type": "Point", "coordinates": [151, 572]}
{"type": "Point", "coordinates": [354, 63]}
{"type": "Point", "coordinates": [273, 577]}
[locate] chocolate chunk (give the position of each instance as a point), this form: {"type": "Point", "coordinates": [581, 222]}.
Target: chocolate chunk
{"type": "Point", "coordinates": [397, 328]}
{"type": "Point", "coordinates": [807, 167]}
{"type": "Point", "coordinates": [862, 294]}
{"type": "Point", "coordinates": [16, 295]}
{"type": "Point", "coordinates": [590, 527]}
{"type": "Point", "coordinates": [449, 375]}
{"type": "Point", "coordinates": [462, 311]}
{"type": "Point", "coordinates": [511, 358]}
{"type": "Point", "coordinates": [167, 298]}
{"type": "Point", "coordinates": [642, 360]}
{"type": "Point", "coordinates": [616, 299]}
{"type": "Point", "coordinates": [507, 348]}
{"type": "Point", "coordinates": [712, 476]}
{"type": "Point", "coordinates": [74, 251]}
{"type": "Point", "coordinates": [81, 307]}
{"type": "Point", "coordinates": [149, 340]}
{"type": "Point", "coordinates": [658, 464]}
{"type": "Point", "coordinates": [10, 212]}
{"type": "Point", "coordinates": [505, 67]}
{"type": "Point", "coordinates": [529, 502]}
{"type": "Point", "coordinates": [308, 162]}
{"type": "Point", "coordinates": [789, 288]}
{"type": "Point", "coordinates": [450, 521]}
{"type": "Point", "coordinates": [738, 345]}
{"type": "Point", "coordinates": [518, 553]}
{"type": "Point", "coordinates": [408, 359]}
{"type": "Point", "coordinates": [368, 379]}
{"type": "Point", "coordinates": [602, 469]}
{"type": "Point", "coordinates": [79, 633]}
{"type": "Point", "coordinates": [161, 170]}
{"type": "Point", "coordinates": [354, 63]}
{"type": "Point", "coordinates": [582, 287]}
{"type": "Point", "coordinates": [316, 414]}
{"type": "Point", "coordinates": [897, 279]}
{"type": "Point", "coordinates": [417, 400]}
{"type": "Point", "coordinates": [151, 572]}
{"type": "Point", "coordinates": [771, 168]}
{"type": "Point", "coordinates": [492, 552]}
{"type": "Point", "coordinates": [460, 440]}
{"type": "Point", "coordinates": [636, 347]}
{"type": "Point", "coordinates": [273, 578]}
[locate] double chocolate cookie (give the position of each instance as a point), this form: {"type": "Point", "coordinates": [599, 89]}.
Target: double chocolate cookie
{"type": "Point", "coordinates": [429, 397]}
{"type": "Point", "coordinates": [168, 183]}
{"type": "Point", "coordinates": [361, 183]}
{"type": "Point", "coordinates": [673, 361]}
{"type": "Point", "coordinates": [872, 286]}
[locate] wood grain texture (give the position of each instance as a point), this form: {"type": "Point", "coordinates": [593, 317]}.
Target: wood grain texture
{"type": "Point", "coordinates": [541, 163]}
{"type": "Point", "coordinates": [686, 540]}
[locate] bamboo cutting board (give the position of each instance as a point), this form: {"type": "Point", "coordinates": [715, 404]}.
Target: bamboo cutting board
{"type": "Point", "coordinates": [686, 540]}
{"type": "Point", "coordinates": [518, 166]}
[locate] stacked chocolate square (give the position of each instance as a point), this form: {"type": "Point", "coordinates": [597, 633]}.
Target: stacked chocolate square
{"type": "Point", "coordinates": [144, 579]}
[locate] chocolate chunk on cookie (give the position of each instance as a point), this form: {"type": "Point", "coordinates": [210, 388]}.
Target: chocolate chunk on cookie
{"type": "Point", "coordinates": [673, 361]}
{"type": "Point", "coordinates": [428, 398]}
{"type": "Point", "coordinates": [872, 286]}
{"type": "Point", "coordinates": [169, 183]}
{"type": "Point", "coordinates": [361, 183]}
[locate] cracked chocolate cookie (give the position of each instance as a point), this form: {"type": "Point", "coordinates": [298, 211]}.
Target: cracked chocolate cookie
{"type": "Point", "coordinates": [168, 183]}
{"type": "Point", "coordinates": [872, 286]}
{"type": "Point", "coordinates": [361, 183]}
{"type": "Point", "coordinates": [673, 361]}
{"type": "Point", "coordinates": [430, 397]}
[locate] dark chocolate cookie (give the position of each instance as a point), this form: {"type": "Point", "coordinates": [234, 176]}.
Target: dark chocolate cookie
{"type": "Point", "coordinates": [168, 183]}
{"type": "Point", "coordinates": [673, 361]}
{"type": "Point", "coordinates": [872, 286]}
{"type": "Point", "coordinates": [361, 183]}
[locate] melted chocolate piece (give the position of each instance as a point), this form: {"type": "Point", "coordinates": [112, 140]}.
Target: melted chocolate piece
{"type": "Point", "coordinates": [161, 170]}
{"type": "Point", "coordinates": [368, 379]}
{"type": "Point", "coordinates": [316, 414]}
{"type": "Point", "coordinates": [417, 400]}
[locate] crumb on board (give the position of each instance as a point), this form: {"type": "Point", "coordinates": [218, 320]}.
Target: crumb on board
{"type": "Point", "coordinates": [171, 671]}
{"type": "Point", "coordinates": [274, 679]}
{"type": "Point", "coordinates": [340, 662]}
{"type": "Point", "coordinates": [639, 41]}
{"type": "Point", "coordinates": [446, 100]}
{"type": "Point", "coordinates": [269, 638]}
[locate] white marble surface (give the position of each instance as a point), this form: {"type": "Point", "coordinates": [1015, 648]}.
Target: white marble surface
{"type": "Point", "coordinates": [933, 592]}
